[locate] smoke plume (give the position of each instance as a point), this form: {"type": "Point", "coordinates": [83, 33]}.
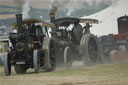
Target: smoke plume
{"type": "Point", "coordinates": [72, 5]}
{"type": "Point", "coordinates": [25, 9]}
{"type": "Point", "coordinates": [57, 4]}
{"type": "Point", "coordinates": [25, 5]}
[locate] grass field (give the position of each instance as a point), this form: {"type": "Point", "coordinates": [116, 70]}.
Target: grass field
{"type": "Point", "coordinates": [94, 75]}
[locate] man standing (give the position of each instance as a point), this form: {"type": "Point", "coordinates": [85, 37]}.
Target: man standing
{"type": "Point", "coordinates": [87, 28]}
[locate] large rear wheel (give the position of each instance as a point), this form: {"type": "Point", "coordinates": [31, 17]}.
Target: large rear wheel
{"type": "Point", "coordinates": [90, 49]}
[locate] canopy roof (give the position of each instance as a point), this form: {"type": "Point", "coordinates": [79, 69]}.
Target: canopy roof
{"type": "Point", "coordinates": [68, 21]}
{"type": "Point", "coordinates": [32, 21]}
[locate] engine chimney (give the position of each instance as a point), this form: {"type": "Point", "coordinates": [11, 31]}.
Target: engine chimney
{"type": "Point", "coordinates": [52, 17]}
{"type": "Point", "coordinates": [19, 22]}
{"type": "Point", "coordinates": [52, 14]}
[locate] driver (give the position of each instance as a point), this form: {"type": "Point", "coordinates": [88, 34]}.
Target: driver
{"type": "Point", "coordinates": [87, 28]}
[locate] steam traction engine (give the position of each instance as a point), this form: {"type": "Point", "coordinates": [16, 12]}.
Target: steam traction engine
{"type": "Point", "coordinates": [32, 48]}
{"type": "Point", "coordinates": [73, 41]}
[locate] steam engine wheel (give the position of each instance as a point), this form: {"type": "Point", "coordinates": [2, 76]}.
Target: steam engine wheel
{"type": "Point", "coordinates": [7, 64]}
{"type": "Point", "coordinates": [20, 69]}
{"type": "Point", "coordinates": [36, 61]}
{"type": "Point", "coordinates": [49, 50]}
{"type": "Point", "coordinates": [67, 57]}
{"type": "Point", "coordinates": [90, 49]}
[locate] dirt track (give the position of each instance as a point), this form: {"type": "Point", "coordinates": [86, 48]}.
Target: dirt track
{"type": "Point", "coordinates": [95, 75]}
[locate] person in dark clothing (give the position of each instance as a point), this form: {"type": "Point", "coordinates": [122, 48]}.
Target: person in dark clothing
{"type": "Point", "coordinates": [87, 28]}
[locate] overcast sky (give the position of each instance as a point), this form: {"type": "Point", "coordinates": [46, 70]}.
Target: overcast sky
{"type": "Point", "coordinates": [34, 3]}
{"type": "Point", "coordinates": [44, 3]}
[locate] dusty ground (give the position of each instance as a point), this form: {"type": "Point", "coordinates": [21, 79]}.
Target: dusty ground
{"type": "Point", "coordinates": [94, 75]}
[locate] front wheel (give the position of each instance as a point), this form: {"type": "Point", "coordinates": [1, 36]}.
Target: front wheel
{"type": "Point", "coordinates": [67, 57]}
{"type": "Point", "coordinates": [20, 69]}
{"type": "Point", "coordinates": [36, 61]}
{"type": "Point", "coordinates": [7, 64]}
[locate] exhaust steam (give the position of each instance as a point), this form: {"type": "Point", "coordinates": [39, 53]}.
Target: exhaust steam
{"type": "Point", "coordinates": [26, 9]}
{"type": "Point", "coordinates": [25, 5]}
{"type": "Point", "coordinates": [73, 5]}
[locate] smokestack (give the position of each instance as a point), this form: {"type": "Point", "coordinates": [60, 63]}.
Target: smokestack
{"type": "Point", "coordinates": [52, 17]}
{"type": "Point", "coordinates": [19, 22]}
{"type": "Point", "coordinates": [52, 14]}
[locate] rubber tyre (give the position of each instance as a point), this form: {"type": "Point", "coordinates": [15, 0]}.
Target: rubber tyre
{"type": "Point", "coordinates": [7, 64]}
{"type": "Point", "coordinates": [36, 61]}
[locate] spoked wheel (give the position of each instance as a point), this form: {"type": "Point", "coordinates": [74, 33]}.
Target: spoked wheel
{"type": "Point", "coordinates": [89, 44]}
{"type": "Point", "coordinates": [67, 57]}
{"type": "Point", "coordinates": [20, 69]}
{"type": "Point", "coordinates": [49, 48]}
{"type": "Point", "coordinates": [36, 61]}
{"type": "Point", "coordinates": [7, 64]}
{"type": "Point", "coordinates": [114, 57]}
